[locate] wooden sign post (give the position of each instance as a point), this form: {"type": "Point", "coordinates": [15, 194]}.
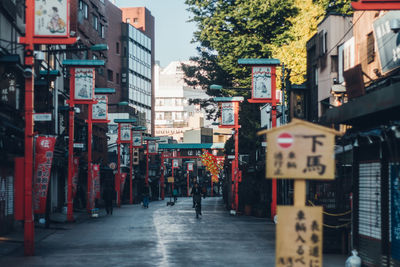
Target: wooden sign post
{"type": "Point", "coordinates": [300, 150]}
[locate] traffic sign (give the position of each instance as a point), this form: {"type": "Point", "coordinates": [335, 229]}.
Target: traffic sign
{"type": "Point", "coordinates": [285, 140]}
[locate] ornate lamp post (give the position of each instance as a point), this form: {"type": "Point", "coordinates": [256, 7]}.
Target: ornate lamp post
{"type": "Point", "coordinates": [136, 143]}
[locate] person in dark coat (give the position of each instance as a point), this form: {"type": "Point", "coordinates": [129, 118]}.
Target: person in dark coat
{"type": "Point", "coordinates": [108, 196]}
{"type": "Point", "coordinates": [146, 195]}
{"type": "Point", "coordinates": [196, 192]}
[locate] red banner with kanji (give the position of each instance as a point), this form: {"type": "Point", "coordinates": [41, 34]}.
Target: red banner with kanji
{"type": "Point", "coordinates": [75, 175]}
{"type": "Point", "coordinates": [123, 179]}
{"type": "Point", "coordinates": [44, 151]}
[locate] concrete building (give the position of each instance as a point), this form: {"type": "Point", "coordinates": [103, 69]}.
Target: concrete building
{"type": "Point", "coordinates": [174, 114]}
{"type": "Point", "coordinates": [372, 117]}
{"type": "Point", "coordinates": [325, 62]}
{"type": "Point", "coordinates": [11, 104]}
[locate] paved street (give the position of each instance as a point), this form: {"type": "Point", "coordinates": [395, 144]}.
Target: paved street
{"type": "Point", "coordinates": [160, 236]}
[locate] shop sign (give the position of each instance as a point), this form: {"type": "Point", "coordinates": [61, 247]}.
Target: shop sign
{"type": "Point", "coordinates": [152, 147]}
{"type": "Point", "coordinates": [175, 163]}
{"type": "Point", "coordinates": [190, 166]}
{"type": "Point", "coordinates": [387, 41]}
{"type": "Point", "coordinates": [299, 236]}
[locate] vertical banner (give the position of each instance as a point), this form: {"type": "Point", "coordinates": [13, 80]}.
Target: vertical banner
{"type": "Point", "coordinates": [190, 166]}
{"type": "Point", "coordinates": [152, 147]}
{"type": "Point", "coordinates": [84, 84]}
{"type": "Point", "coordinates": [51, 18]}
{"type": "Point", "coordinates": [123, 179]}
{"type": "Point", "coordinates": [125, 132]}
{"type": "Point", "coordinates": [75, 175]}
{"type": "Point", "coordinates": [100, 109]}
{"type": "Point", "coordinates": [136, 139]}
{"type": "Point", "coordinates": [261, 82]}
{"type": "Point", "coordinates": [227, 113]}
{"type": "Point", "coordinates": [175, 163]}
{"type": "Point", "coordinates": [44, 150]}
{"type": "Point", "coordinates": [96, 181]}
{"type": "Point", "coordinates": [395, 210]}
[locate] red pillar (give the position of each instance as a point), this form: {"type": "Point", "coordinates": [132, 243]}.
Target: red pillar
{"type": "Point", "coordinates": [162, 182]}
{"type": "Point", "coordinates": [172, 185]}
{"type": "Point", "coordinates": [236, 168]}
{"type": "Point", "coordinates": [89, 157]}
{"type": "Point", "coordinates": [131, 170]}
{"type": "Point", "coordinates": [29, 229]}
{"type": "Point", "coordinates": [147, 163]}
{"type": "Point", "coordinates": [70, 212]}
{"type": "Point", "coordinates": [274, 190]}
{"type": "Point", "coordinates": [187, 182]}
{"type": "Point", "coordinates": [118, 178]}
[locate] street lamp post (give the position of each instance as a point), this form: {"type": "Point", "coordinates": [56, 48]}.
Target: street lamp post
{"type": "Point", "coordinates": [124, 137]}
{"type": "Point", "coordinates": [152, 151]}
{"type": "Point", "coordinates": [86, 68]}
{"type": "Point", "coordinates": [29, 40]}
{"type": "Point", "coordinates": [230, 119]}
{"type": "Point", "coordinates": [134, 144]}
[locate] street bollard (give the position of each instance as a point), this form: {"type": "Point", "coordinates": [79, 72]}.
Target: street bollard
{"type": "Point", "coordinates": [354, 260]}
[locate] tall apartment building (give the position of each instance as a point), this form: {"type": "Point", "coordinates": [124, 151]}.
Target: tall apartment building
{"type": "Point", "coordinates": [139, 52]}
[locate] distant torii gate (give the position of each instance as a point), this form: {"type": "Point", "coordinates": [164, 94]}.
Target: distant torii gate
{"type": "Point", "coordinates": [174, 148]}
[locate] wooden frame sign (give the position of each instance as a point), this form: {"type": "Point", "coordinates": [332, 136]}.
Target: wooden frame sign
{"type": "Point", "coordinates": [300, 150]}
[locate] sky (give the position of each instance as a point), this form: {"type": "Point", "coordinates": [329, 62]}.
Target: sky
{"type": "Point", "coordinates": [173, 32]}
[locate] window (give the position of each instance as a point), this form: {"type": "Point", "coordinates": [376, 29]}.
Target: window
{"type": "Point", "coordinates": [168, 115]}
{"type": "Point", "coordinates": [117, 78]}
{"type": "Point", "coordinates": [370, 47]}
{"type": "Point", "coordinates": [84, 7]}
{"type": "Point", "coordinates": [102, 31]}
{"type": "Point", "coordinates": [128, 20]}
{"type": "Point", "coordinates": [135, 20]}
{"type": "Point", "coordinates": [117, 48]}
{"type": "Point", "coordinates": [95, 22]}
{"type": "Point", "coordinates": [110, 75]}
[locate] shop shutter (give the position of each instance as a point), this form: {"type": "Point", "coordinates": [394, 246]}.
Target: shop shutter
{"type": "Point", "coordinates": [369, 213]}
{"type": "Point", "coordinates": [394, 209]}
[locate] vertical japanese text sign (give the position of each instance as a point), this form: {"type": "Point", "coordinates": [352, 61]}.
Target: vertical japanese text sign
{"type": "Point", "coordinates": [299, 236]}
{"type": "Point", "coordinates": [125, 132]}
{"type": "Point", "coordinates": [100, 109]}
{"type": "Point", "coordinates": [51, 18]}
{"type": "Point", "coordinates": [84, 84]}
{"type": "Point", "coordinates": [300, 150]}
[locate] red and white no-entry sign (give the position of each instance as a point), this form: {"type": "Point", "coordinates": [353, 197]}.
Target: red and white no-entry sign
{"type": "Point", "coordinates": [285, 140]}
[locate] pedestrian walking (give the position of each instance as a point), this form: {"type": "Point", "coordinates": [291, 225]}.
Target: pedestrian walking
{"type": "Point", "coordinates": [145, 197]}
{"type": "Point", "coordinates": [197, 192]}
{"type": "Point", "coordinates": [108, 196]}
